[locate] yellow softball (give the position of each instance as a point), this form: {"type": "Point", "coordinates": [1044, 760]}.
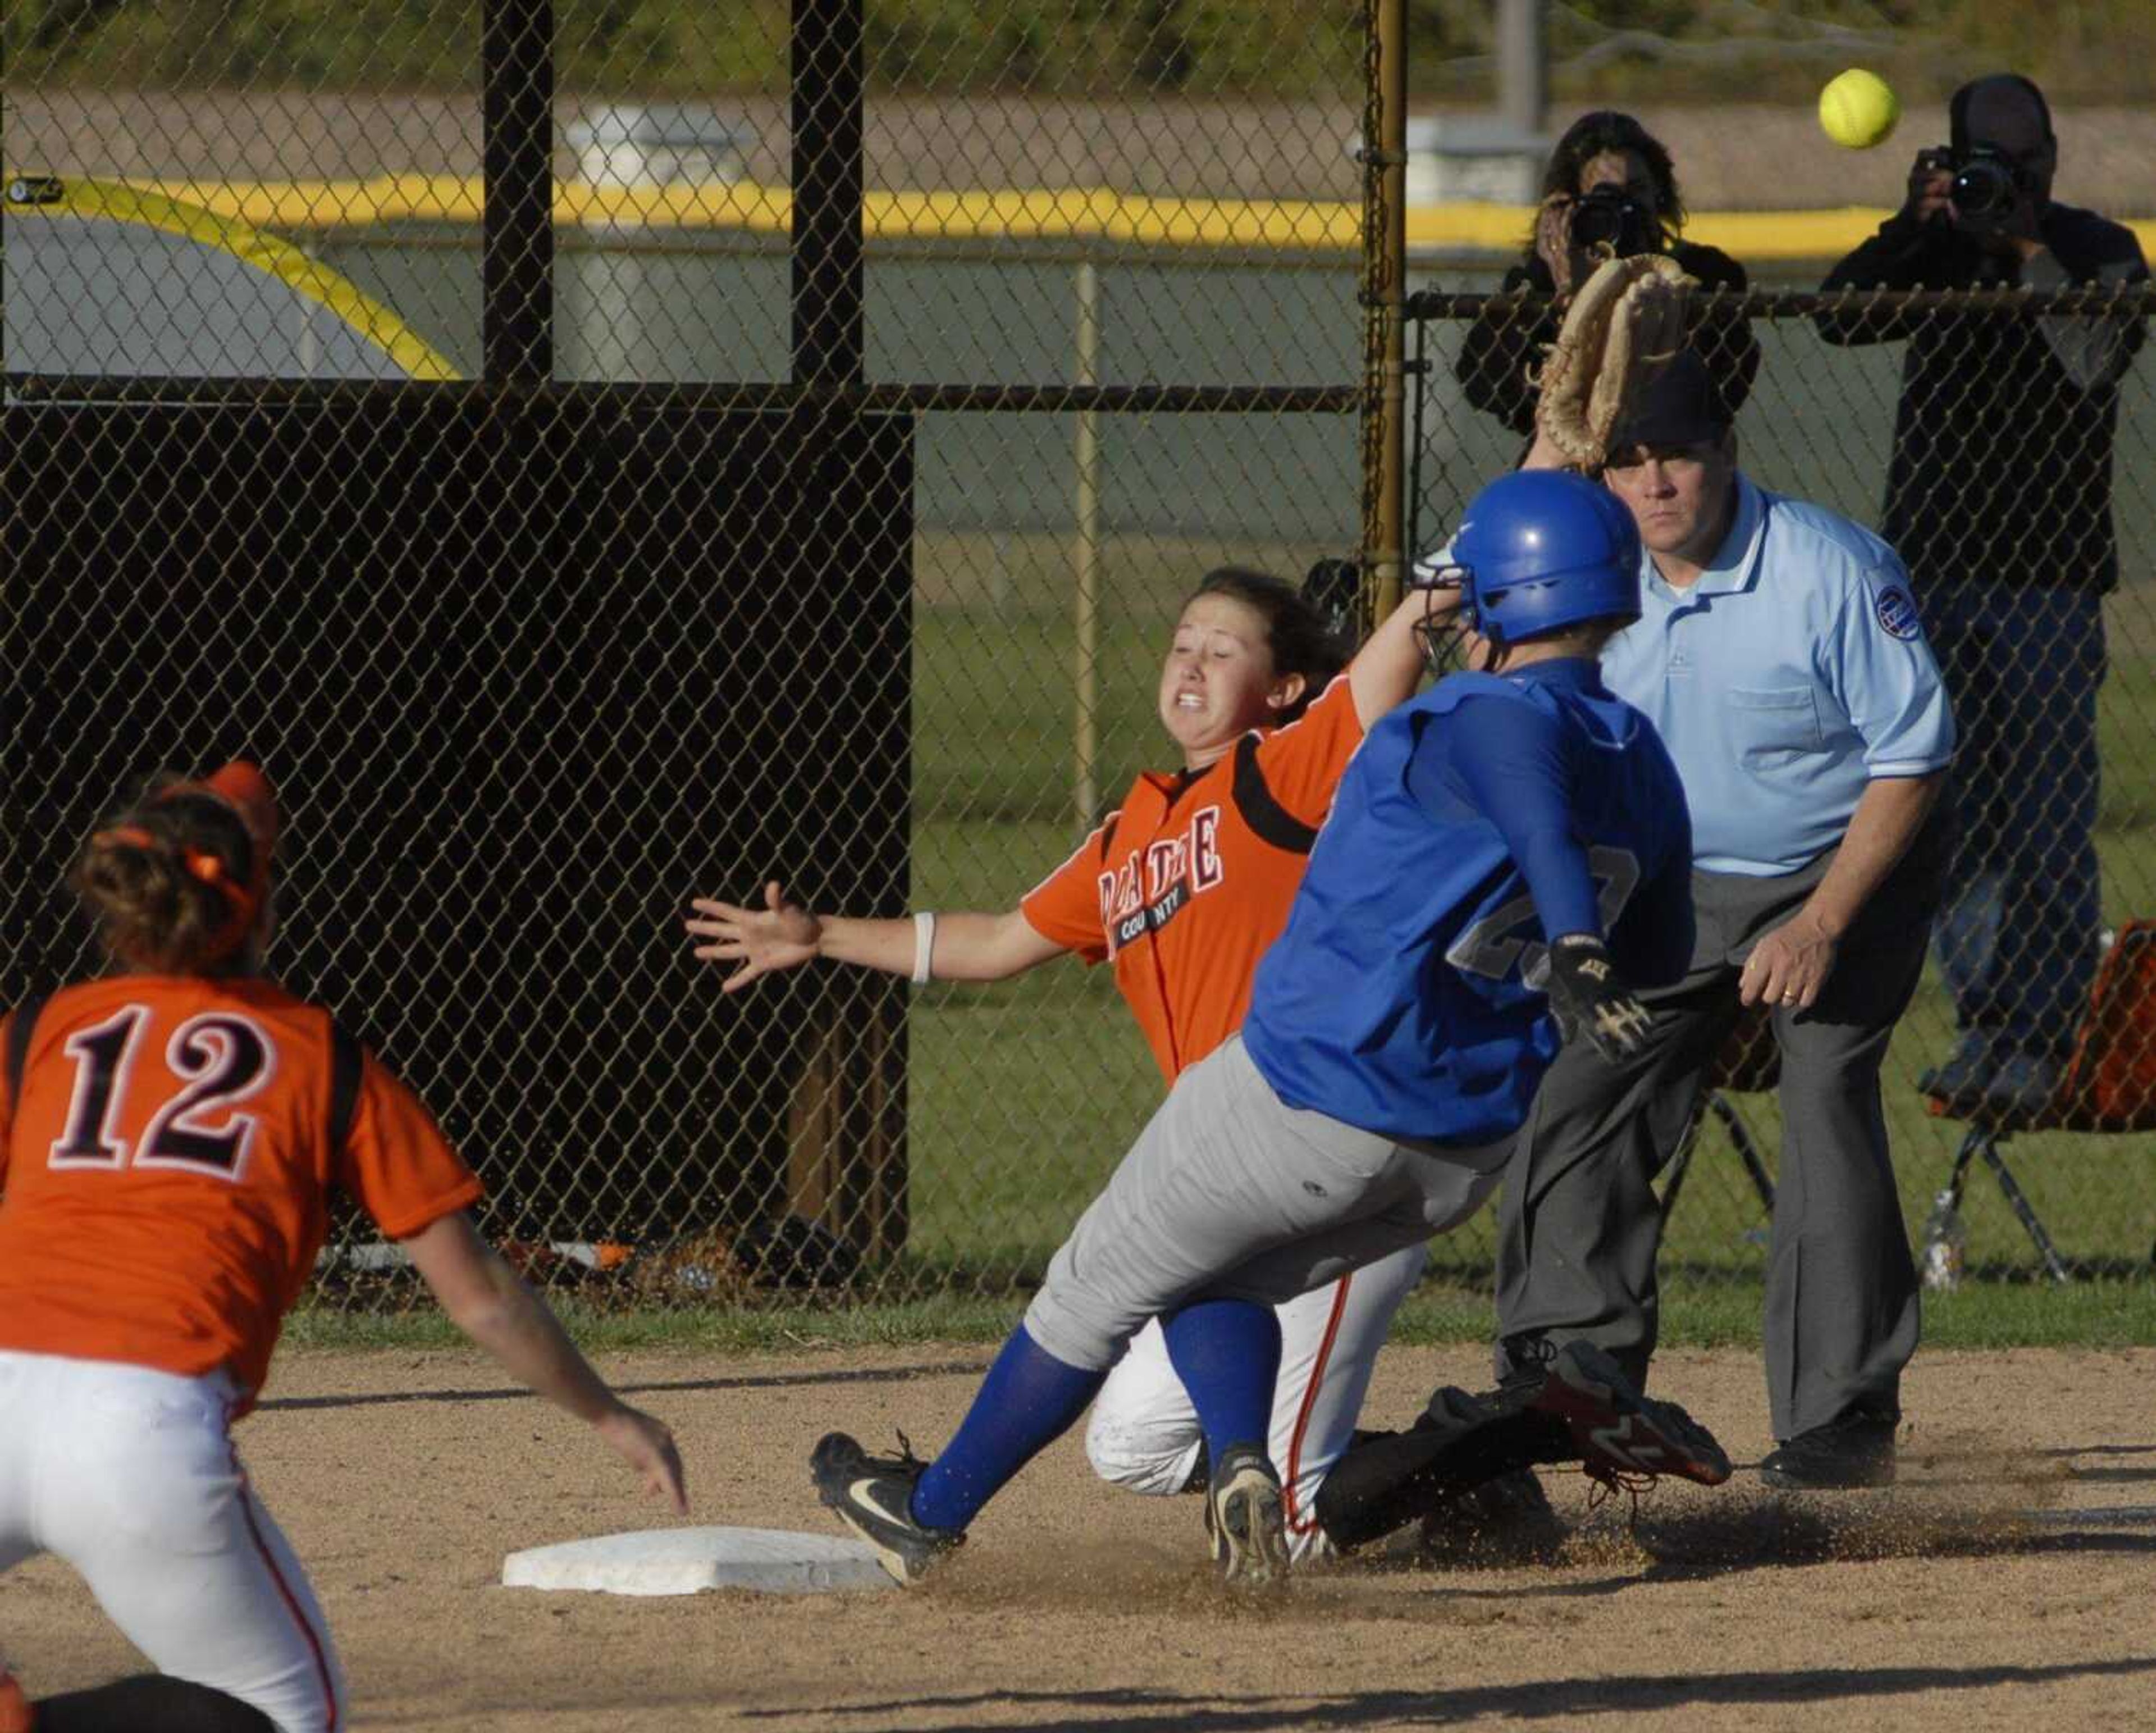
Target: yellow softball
{"type": "Point", "coordinates": [1858, 109]}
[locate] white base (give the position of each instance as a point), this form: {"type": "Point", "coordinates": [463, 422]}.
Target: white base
{"type": "Point", "coordinates": [682, 1562]}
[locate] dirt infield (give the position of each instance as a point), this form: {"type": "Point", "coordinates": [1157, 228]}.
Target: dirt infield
{"type": "Point", "coordinates": [2008, 1581]}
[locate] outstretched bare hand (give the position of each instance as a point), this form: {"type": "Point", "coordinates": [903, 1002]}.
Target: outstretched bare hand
{"type": "Point", "coordinates": [780, 935]}
{"type": "Point", "coordinates": [647, 1446]}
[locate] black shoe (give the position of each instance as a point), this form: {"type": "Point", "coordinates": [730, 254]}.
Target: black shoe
{"type": "Point", "coordinates": [1505, 1521]}
{"type": "Point", "coordinates": [1525, 1356]}
{"type": "Point", "coordinates": [1245, 1522]}
{"type": "Point", "coordinates": [873, 1496]}
{"type": "Point", "coordinates": [1386, 1483]}
{"type": "Point", "coordinates": [1854, 1451]}
{"type": "Point", "coordinates": [1509, 1427]}
{"type": "Point", "coordinates": [1617, 1431]}
{"type": "Point", "coordinates": [1958, 1083]}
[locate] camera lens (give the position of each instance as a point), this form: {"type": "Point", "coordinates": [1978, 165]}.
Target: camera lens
{"type": "Point", "coordinates": [1597, 222]}
{"type": "Point", "coordinates": [1983, 189]}
{"type": "Point", "coordinates": [1609, 216]}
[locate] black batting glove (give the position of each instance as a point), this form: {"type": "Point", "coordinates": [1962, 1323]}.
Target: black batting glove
{"type": "Point", "coordinates": [1590, 998]}
{"type": "Point", "coordinates": [1334, 588]}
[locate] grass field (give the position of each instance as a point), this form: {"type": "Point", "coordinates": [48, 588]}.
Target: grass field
{"type": "Point", "coordinates": [2105, 1312]}
{"type": "Point", "coordinates": [1024, 1094]}
{"type": "Point", "coordinates": [1669, 49]}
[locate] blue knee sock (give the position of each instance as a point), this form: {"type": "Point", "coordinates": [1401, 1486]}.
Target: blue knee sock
{"type": "Point", "coordinates": [1227, 1354]}
{"type": "Point", "coordinates": [1029, 1399]}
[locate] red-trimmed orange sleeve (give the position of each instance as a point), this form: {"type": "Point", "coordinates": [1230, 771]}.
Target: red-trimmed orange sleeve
{"type": "Point", "coordinates": [397, 1164]}
{"type": "Point", "coordinates": [1064, 907]}
{"type": "Point", "coordinates": [1303, 761]}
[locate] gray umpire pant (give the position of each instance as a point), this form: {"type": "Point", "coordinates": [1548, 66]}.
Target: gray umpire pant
{"type": "Point", "coordinates": [1579, 1226]}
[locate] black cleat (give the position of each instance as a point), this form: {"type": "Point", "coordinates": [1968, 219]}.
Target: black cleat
{"type": "Point", "coordinates": [873, 1496]}
{"type": "Point", "coordinates": [1503, 1521]}
{"type": "Point", "coordinates": [1616, 1431]}
{"type": "Point", "coordinates": [1245, 1522]}
{"type": "Point", "coordinates": [1854, 1451]}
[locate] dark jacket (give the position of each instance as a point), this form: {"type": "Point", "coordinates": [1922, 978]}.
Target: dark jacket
{"type": "Point", "coordinates": [1502, 348]}
{"type": "Point", "coordinates": [2003, 438]}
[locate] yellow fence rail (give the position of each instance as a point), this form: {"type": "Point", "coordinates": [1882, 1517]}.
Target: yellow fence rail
{"type": "Point", "coordinates": [1063, 213]}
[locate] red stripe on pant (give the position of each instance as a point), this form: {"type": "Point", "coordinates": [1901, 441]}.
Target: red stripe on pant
{"type": "Point", "coordinates": [1297, 1523]}
{"type": "Point", "coordinates": [291, 1600]}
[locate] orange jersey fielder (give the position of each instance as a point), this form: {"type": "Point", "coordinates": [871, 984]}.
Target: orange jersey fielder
{"type": "Point", "coordinates": [1185, 886]}
{"type": "Point", "coordinates": [164, 1175]}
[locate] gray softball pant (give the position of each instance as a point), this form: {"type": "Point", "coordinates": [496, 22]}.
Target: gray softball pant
{"type": "Point", "coordinates": [1230, 1193]}
{"type": "Point", "coordinates": [1579, 1228]}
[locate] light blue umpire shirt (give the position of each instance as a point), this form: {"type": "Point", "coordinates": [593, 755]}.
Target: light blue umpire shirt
{"type": "Point", "coordinates": [1788, 677]}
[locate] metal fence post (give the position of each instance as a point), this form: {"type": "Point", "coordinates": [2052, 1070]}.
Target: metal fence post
{"type": "Point", "coordinates": [1384, 263]}
{"type": "Point", "coordinates": [1085, 552]}
{"type": "Point", "coordinates": [516, 118]}
{"type": "Point", "coordinates": [828, 101]}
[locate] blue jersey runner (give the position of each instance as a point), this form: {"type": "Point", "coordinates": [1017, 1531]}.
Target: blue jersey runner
{"type": "Point", "coordinates": [1478, 820]}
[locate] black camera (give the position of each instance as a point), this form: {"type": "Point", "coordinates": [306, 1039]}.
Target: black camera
{"type": "Point", "coordinates": [1609, 216]}
{"type": "Point", "coordinates": [1988, 182]}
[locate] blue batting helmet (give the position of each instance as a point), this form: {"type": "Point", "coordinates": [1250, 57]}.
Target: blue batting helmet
{"type": "Point", "coordinates": [1543, 549]}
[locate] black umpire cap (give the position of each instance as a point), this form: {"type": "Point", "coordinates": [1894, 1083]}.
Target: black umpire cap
{"type": "Point", "coordinates": [1682, 407]}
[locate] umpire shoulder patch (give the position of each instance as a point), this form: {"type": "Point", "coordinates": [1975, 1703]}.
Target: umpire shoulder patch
{"type": "Point", "coordinates": [1897, 609]}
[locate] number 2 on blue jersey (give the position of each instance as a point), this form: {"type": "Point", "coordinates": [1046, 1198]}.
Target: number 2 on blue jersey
{"type": "Point", "coordinates": [1493, 947]}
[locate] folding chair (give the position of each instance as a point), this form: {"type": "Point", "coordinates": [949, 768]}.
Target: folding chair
{"type": "Point", "coordinates": [1749, 1061]}
{"type": "Point", "coordinates": [2108, 1085]}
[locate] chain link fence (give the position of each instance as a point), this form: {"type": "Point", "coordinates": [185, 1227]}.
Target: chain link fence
{"type": "Point", "coordinates": [2001, 441]}
{"type": "Point", "coordinates": [596, 455]}
{"type": "Point", "coordinates": [599, 454]}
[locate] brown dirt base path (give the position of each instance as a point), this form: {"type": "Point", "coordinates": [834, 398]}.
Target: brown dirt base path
{"type": "Point", "coordinates": [2007, 1583]}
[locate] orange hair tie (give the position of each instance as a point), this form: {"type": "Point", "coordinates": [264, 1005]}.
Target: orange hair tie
{"type": "Point", "coordinates": [207, 867]}
{"type": "Point", "coordinates": [243, 902]}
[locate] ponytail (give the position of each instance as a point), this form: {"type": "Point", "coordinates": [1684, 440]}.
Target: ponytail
{"type": "Point", "coordinates": [173, 884]}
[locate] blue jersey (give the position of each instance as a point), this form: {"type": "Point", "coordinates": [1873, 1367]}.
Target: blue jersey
{"type": "Point", "coordinates": [1479, 820]}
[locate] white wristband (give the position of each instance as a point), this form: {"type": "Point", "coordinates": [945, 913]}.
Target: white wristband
{"type": "Point", "coordinates": [924, 945]}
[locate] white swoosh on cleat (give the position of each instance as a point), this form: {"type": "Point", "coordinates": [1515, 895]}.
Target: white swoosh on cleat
{"type": "Point", "coordinates": [862, 1492]}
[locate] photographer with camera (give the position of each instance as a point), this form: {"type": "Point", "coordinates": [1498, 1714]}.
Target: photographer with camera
{"type": "Point", "coordinates": [1609, 184]}
{"type": "Point", "coordinates": [1999, 500]}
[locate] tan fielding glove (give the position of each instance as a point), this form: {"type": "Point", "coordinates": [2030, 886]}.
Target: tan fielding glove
{"type": "Point", "coordinates": [1625, 324]}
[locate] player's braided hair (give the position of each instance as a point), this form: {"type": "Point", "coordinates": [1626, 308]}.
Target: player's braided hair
{"type": "Point", "coordinates": [1296, 633]}
{"type": "Point", "coordinates": [166, 881]}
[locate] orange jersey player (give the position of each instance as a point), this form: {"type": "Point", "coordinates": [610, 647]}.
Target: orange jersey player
{"type": "Point", "coordinates": [170, 1133]}
{"type": "Point", "coordinates": [1185, 885]}
{"type": "Point", "coordinates": [1182, 889]}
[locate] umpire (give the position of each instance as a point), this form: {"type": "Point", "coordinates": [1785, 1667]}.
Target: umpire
{"type": "Point", "coordinates": [1779, 655]}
